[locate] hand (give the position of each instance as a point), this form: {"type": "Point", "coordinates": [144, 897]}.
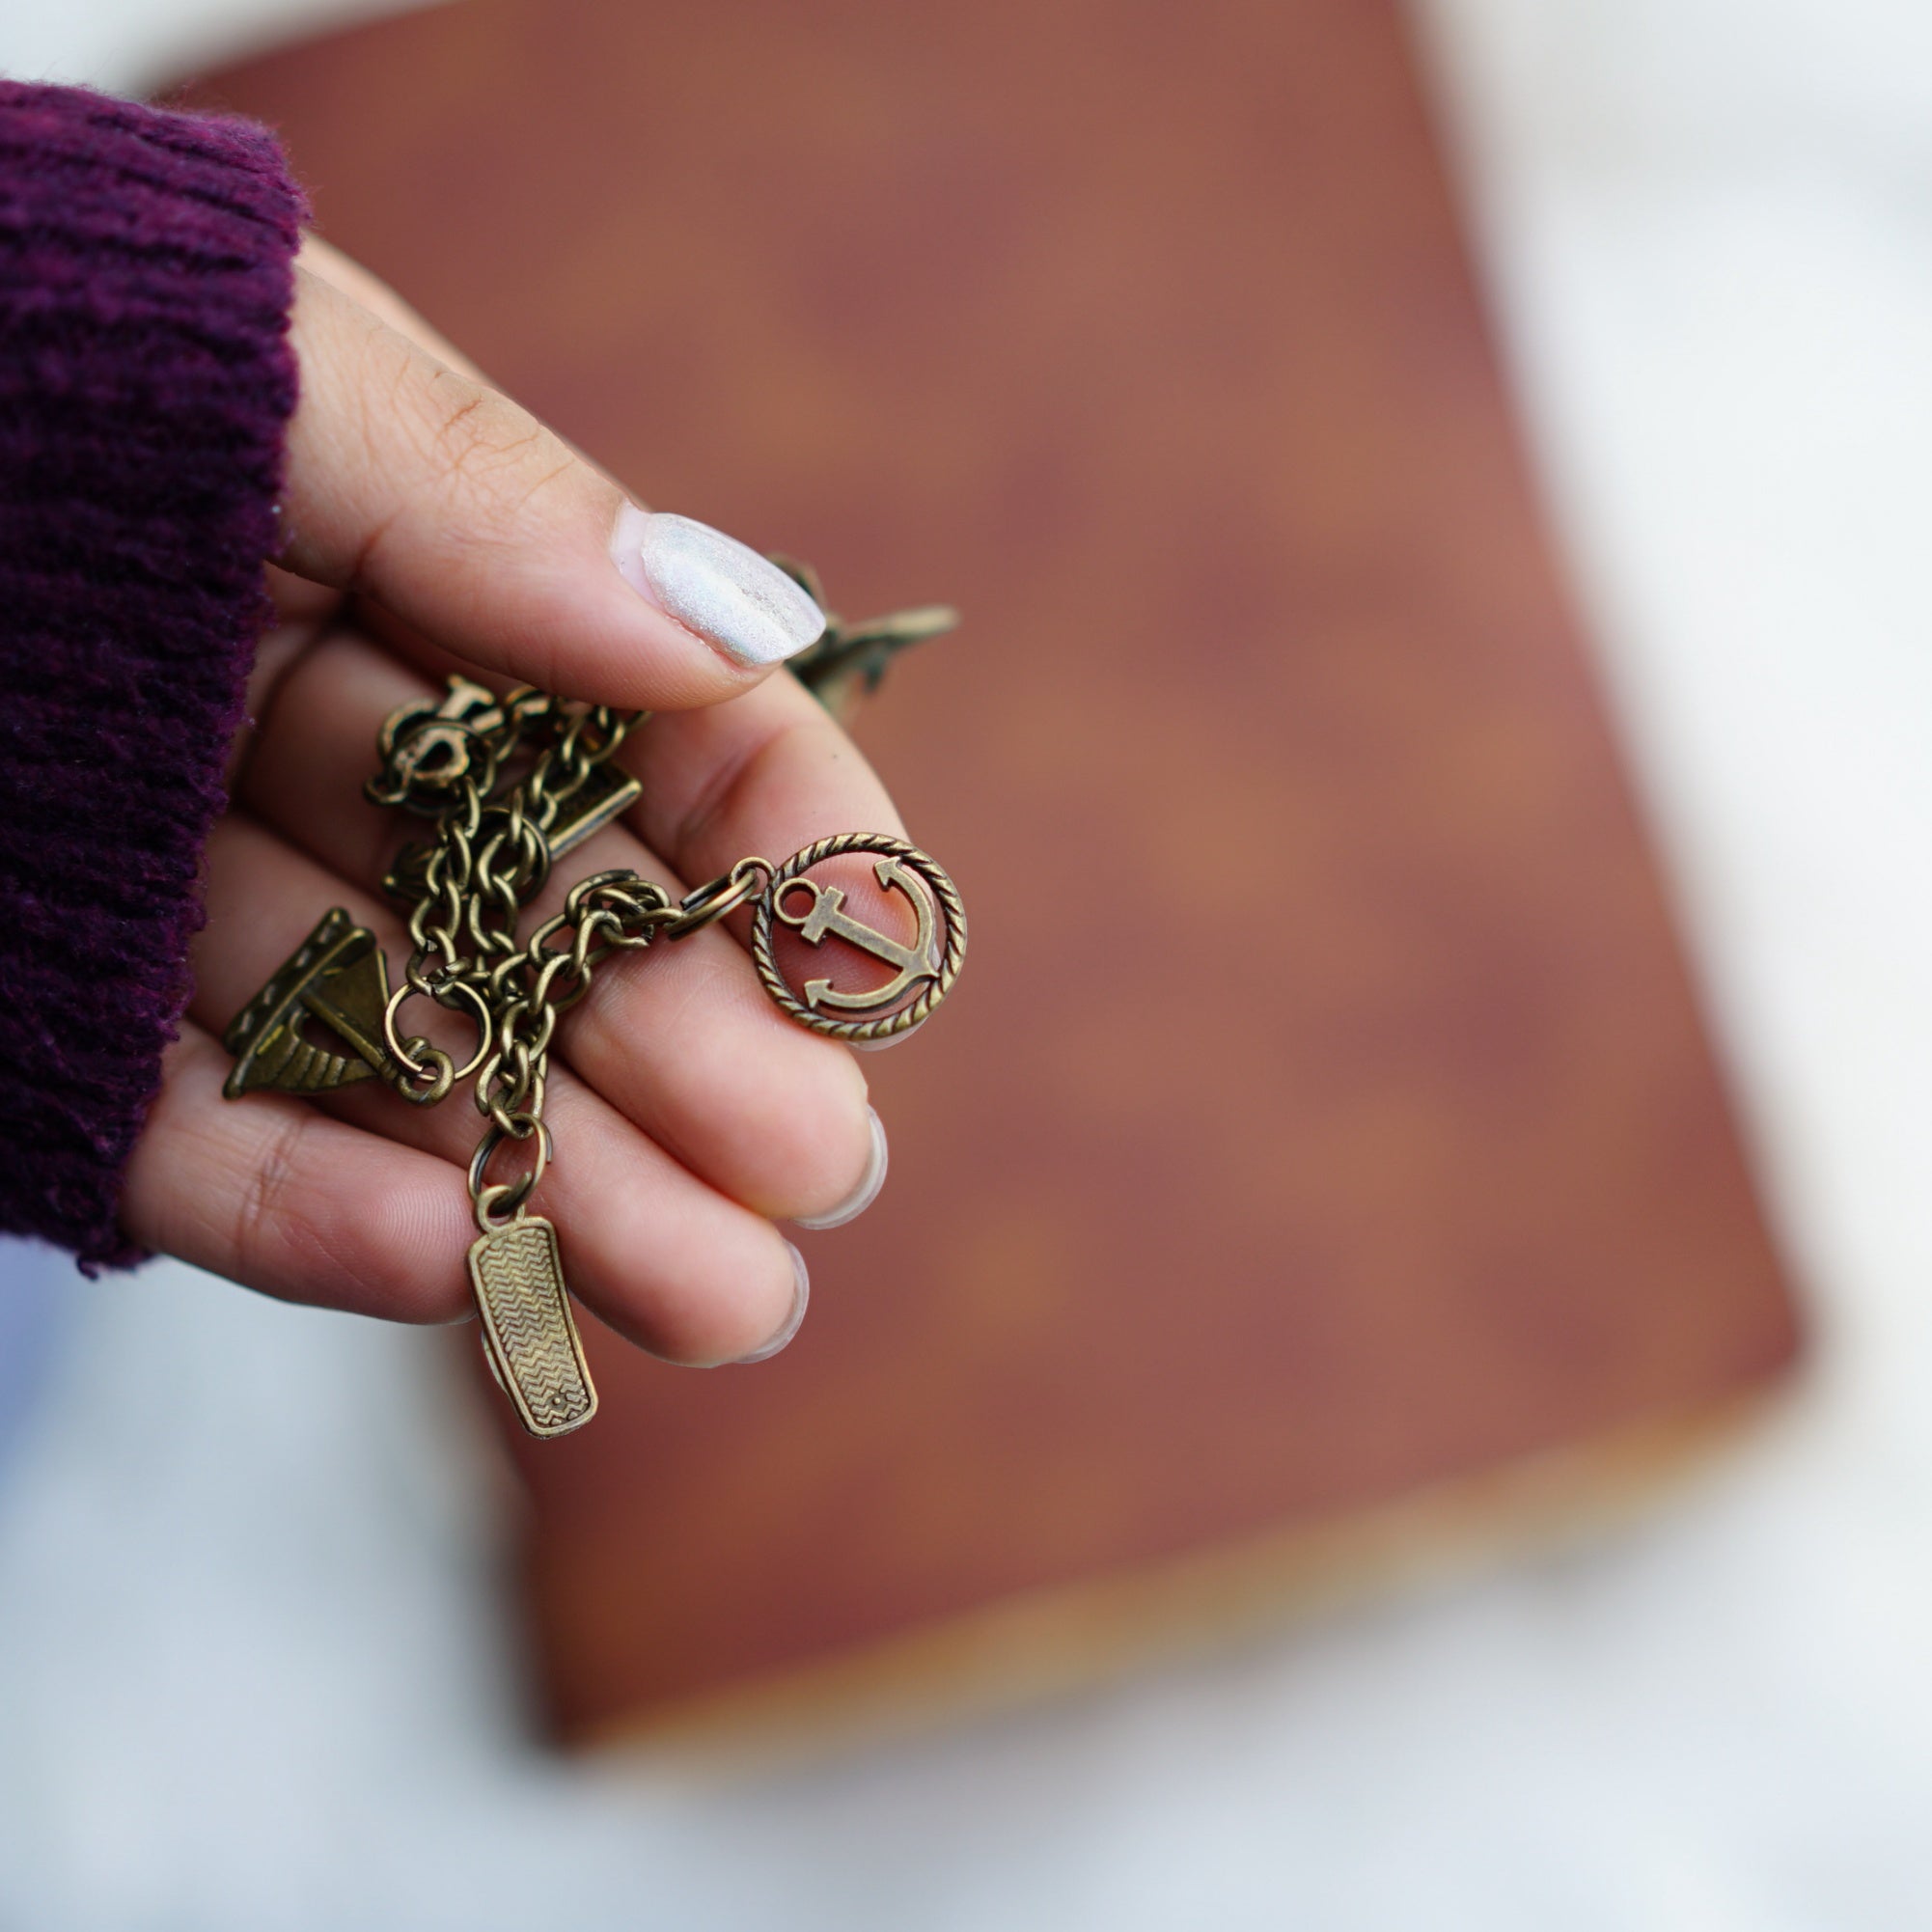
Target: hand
{"type": "Point", "coordinates": [433, 525]}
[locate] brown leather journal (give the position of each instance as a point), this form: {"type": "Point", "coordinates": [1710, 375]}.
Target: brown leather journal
{"type": "Point", "coordinates": [1322, 1164]}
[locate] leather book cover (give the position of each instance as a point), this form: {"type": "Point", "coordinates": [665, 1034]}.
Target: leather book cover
{"type": "Point", "coordinates": [1322, 1167]}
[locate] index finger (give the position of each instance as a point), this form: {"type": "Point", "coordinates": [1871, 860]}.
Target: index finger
{"type": "Point", "coordinates": [442, 501]}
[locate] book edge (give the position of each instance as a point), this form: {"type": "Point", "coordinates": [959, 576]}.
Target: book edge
{"type": "Point", "coordinates": [1074, 1639]}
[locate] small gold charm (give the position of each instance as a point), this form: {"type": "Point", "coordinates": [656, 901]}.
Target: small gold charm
{"type": "Point", "coordinates": [928, 960]}
{"type": "Point", "coordinates": [528, 1338]}
{"type": "Point", "coordinates": [607, 793]}
{"type": "Point", "coordinates": [336, 976]}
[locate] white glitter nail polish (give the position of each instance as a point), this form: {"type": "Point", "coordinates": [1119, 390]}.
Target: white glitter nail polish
{"type": "Point", "coordinates": [715, 586]}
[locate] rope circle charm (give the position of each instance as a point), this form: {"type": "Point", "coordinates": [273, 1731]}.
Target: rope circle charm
{"type": "Point", "coordinates": [929, 961]}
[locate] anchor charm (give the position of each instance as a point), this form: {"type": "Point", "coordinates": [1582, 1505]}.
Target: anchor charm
{"type": "Point", "coordinates": [915, 962]}
{"type": "Point", "coordinates": [927, 966]}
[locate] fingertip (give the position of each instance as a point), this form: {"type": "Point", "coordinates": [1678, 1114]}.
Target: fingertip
{"type": "Point", "coordinates": [706, 1309]}
{"type": "Point", "coordinates": [440, 500]}
{"type": "Point", "coordinates": [787, 1330]}
{"type": "Point", "coordinates": [864, 1192]}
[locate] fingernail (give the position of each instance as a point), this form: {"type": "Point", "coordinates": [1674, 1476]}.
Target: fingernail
{"type": "Point", "coordinates": [883, 1045]}
{"type": "Point", "coordinates": [861, 1197]}
{"type": "Point", "coordinates": [801, 1294]}
{"type": "Point", "coordinates": [715, 586]}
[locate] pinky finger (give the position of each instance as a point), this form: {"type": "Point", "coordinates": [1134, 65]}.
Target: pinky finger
{"type": "Point", "coordinates": [284, 1199]}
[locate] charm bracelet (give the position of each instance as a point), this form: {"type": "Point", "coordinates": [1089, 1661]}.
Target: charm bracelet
{"type": "Point", "coordinates": [512, 784]}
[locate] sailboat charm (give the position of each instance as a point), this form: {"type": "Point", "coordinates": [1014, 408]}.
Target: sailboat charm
{"type": "Point", "coordinates": [337, 975]}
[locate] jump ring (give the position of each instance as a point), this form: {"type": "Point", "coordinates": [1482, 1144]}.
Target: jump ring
{"type": "Point", "coordinates": [505, 1198]}
{"type": "Point", "coordinates": [725, 895]}
{"type": "Point", "coordinates": [397, 1051]}
{"type": "Point", "coordinates": [441, 1065]}
{"type": "Point", "coordinates": [403, 1052]}
{"type": "Point", "coordinates": [479, 1009]}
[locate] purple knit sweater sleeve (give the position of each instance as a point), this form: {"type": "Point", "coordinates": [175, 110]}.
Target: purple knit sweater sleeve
{"type": "Point", "coordinates": [146, 379]}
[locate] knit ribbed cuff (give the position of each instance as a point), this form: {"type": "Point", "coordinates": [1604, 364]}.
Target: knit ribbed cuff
{"type": "Point", "coordinates": [146, 381]}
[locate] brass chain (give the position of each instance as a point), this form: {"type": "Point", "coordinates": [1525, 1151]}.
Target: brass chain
{"type": "Point", "coordinates": [494, 774]}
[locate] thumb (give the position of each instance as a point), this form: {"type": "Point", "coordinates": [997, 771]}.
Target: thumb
{"type": "Point", "coordinates": [424, 490]}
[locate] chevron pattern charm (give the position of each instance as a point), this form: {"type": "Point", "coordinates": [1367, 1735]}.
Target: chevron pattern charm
{"type": "Point", "coordinates": [530, 1339]}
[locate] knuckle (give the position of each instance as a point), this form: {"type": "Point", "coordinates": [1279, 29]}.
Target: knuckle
{"type": "Point", "coordinates": [486, 453]}
{"type": "Point", "coordinates": [264, 1228]}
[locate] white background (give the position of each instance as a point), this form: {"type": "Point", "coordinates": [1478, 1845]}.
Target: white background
{"type": "Point", "coordinates": [248, 1677]}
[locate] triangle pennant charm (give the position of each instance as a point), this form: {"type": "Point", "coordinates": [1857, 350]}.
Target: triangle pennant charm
{"type": "Point", "coordinates": [338, 976]}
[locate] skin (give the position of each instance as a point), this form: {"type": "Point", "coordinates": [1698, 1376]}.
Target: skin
{"type": "Point", "coordinates": [431, 524]}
